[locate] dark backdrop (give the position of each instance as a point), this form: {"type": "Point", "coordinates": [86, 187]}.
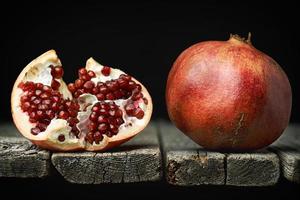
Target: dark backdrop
{"type": "Point", "coordinates": [143, 39]}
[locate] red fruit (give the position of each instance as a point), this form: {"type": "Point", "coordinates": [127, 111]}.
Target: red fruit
{"type": "Point", "coordinates": [227, 95]}
{"type": "Point", "coordinates": [86, 114]}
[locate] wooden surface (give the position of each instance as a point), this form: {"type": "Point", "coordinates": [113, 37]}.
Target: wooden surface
{"type": "Point", "coordinates": [186, 163]}
{"type": "Point", "coordinates": [260, 168]}
{"type": "Point", "coordinates": [139, 160]}
{"type": "Point", "coordinates": [287, 147]}
{"type": "Point", "coordinates": [19, 158]}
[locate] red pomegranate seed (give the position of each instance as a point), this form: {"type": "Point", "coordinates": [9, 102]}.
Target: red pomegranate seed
{"type": "Point", "coordinates": [85, 77]}
{"type": "Point", "coordinates": [90, 137]}
{"type": "Point", "coordinates": [63, 115]}
{"type": "Point", "coordinates": [105, 71]}
{"type": "Point", "coordinates": [112, 85]}
{"type": "Point", "coordinates": [39, 86]}
{"type": "Point", "coordinates": [125, 77]}
{"type": "Point", "coordinates": [72, 87]}
{"type": "Point", "coordinates": [57, 72]}
{"type": "Point", "coordinates": [109, 96]}
{"type": "Point", "coordinates": [103, 111]}
{"type": "Point", "coordinates": [45, 95]}
{"type": "Point", "coordinates": [79, 83]}
{"type": "Point", "coordinates": [25, 106]}
{"type": "Point", "coordinates": [98, 137]}
{"type": "Point", "coordinates": [35, 131]}
{"type": "Point", "coordinates": [138, 113]}
{"type": "Point", "coordinates": [137, 96]}
{"type": "Point", "coordinates": [41, 126]}
{"type": "Point", "coordinates": [73, 121]}
{"type": "Point", "coordinates": [102, 127]}
{"type": "Point", "coordinates": [122, 83]}
{"type": "Point", "coordinates": [100, 97]}
{"type": "Point", "coordinates": [50, 114]}
{"type": "Point", "coordinates": [96, 109]}
{"type": "Point", "coordinates": [43, 107]}
{"type": "Point", "coordinates": [39, 114]}
{"type": "Point", "coordinates": [93, 117]}
{"type": "Point", "coordinates": [109, 134]}
{"type": "Point", "coordinates": [33, 98]}
{"type": "Point", "coordinates": [38, 92]}
{"type": "Point", "coordinates": [55, 84]}
{"type": "Point", "coordinates": [103, 89]}
{"type": "Point", "coordinates": [92, 126]}
{"type": "Point", "coordinates": [55, 106]}
{"type": "Point", "coordinates": [46, 102]}
{"type": "Point", "coordinates": [61, 138]}
{"type": "Point", "coordinates": [89, 85]}
{"type": "Point", "coordinates": [119, 113]}
{"type": "Point", "coordinates": [24, 98]}
{"type": "Point", "coordinates": [46, 88]}
{"type": "Point", "coordinates": [32, 120]}
{"type": "Point", "coordinates": [129, 108]}
{"type": "Point", "coordinates": [82, 71]}
{"type": "Point", "coordinates": [91, 74]}
{"type": "Point", "coordinates": [95, 91]}
{"type": "Point", "coordinates": [112, 113]}
{"type": "Point", "coordinates": [131, 85]}
{"type": "Point", "coordinates": [119, 121]}
{"type": "Point", "coordinates": [102, 119]}
{"type": "Point", "coordinates": [145, 101]}
{"type": "Point", "coordinates": [55, 98]}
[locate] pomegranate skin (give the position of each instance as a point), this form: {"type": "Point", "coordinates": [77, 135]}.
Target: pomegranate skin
{"type": "Point", "coordinates": [227, 95]}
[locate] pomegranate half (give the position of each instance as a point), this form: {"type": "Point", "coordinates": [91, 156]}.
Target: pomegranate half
{"type": "Point", "coordinates": [103, 108]}
{"type": "Point", "coordinates": [227, 95]}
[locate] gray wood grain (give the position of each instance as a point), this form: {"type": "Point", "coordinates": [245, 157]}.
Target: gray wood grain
{"type": "Point", "coordinates": [20, 159]}
{"type": "Point", "coordinates": [287, 148]}
{"type": "Point", "coordinates": [138, 160]}
{"type": "Point", "coordinates": [260, 168]}
{"type": "Point", "coordinates": [186, 163]}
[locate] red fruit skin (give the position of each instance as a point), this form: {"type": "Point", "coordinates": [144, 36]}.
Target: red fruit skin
{"type": "Point", "coordinates": [227, 95]}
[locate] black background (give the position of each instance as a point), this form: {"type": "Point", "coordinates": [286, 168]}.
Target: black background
{"type": "Point", "coordinates": [143, 39]}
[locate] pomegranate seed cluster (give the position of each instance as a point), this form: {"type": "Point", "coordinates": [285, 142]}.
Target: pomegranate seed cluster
{"type": "Point", "coordinates": [43, 103]}
{"type": "Point", "coordinates": [121, 88]}
{"type": "Point", "coordinates": [106, 118]}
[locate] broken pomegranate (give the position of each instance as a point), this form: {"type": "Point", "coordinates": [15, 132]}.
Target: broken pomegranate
{"type": "Point", "coordinates": [227, 95]}
{"type": "Point", "coordinates": [103, 108]}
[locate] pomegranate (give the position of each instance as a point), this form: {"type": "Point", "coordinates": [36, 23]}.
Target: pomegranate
{"type": "Point", "coordinates": [103, 108]}
{"type": "Point", "coordinates": [227, 95]}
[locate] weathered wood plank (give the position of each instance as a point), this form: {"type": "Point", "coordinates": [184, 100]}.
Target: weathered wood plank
{"type": "Point", "coordinates": [287, 148]}
{"type": "Point", "coordinates": [138, 160]}
{"type": "Point", "coordinates": [186, 163]}
{"type": "Point", "coordinates": [20, 159]}
{"type": "Point", "coordinates": [260, 168]}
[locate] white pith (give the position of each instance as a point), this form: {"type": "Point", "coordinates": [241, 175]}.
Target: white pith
{"type": "Point", "coordinates": [39, 72]}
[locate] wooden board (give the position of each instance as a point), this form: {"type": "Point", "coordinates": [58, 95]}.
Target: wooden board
{"type": "Point", "coordinates": [19, 158]}
{"type": "Point", "coordinates": [287, 148]}
{"type": "Point", "coordinates": [260, 168]}
{"type": "Point", "coordinates": [187, 163]}
{"type": "Point", "coordinates": [138, 160]}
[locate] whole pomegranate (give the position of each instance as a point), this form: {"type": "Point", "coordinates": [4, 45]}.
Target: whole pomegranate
{"type": "Point", "coordinates": [227, 95]}
{"type": "Point", "coordinates": [103, 108]}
